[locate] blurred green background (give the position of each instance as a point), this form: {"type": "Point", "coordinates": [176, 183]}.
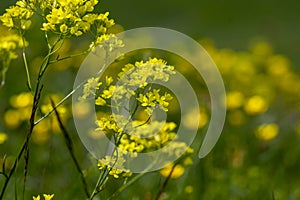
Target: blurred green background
{"type": "Point", "coordinates": [256, 46]}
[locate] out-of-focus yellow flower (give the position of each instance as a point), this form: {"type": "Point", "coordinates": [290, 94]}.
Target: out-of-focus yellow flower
{"type": "Point", "coordinates": [21, 100]}
{"type": "Point", "coordinates": [12, 118]}
{"type": "Point", "coordinates": [261, 49]}
{"type": "Point", "coordinates": [3, 137]}
{"type": "Point", "coordinates": [267, 132]}
{"type": "Point", "coordinates": [190, 122]}
{"type": "Point", "coordinates": [177, 171]}
{"type": "Point", "coordinates": [234, 100]}
{"type": "Point", "coordinates": [256, 105]}
{"type": "Point", "coordinates": [278, 65]}
{"type": "Point", "coordinates": [189, 189]}
{"type": "Point", "coordinates": [81, 110]}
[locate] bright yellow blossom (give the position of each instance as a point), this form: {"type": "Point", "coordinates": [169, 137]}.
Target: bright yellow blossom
{"type": "Point", "coordinates": [48, 196]}
{"type": "Point", "coordinates": [37, 198]}
{"type": "Point", "coordinates": [267, 131]}
{"type": "Point", "coordinates": [256, 105]}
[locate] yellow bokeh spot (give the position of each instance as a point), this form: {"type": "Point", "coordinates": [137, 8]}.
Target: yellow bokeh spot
{"type": "Point", "coordinates": [234, 100]}
{"type": "Point", "coordinates": [278, 65]}
{"type": "Point", "coordinates": [24, 113]}
{"type": "Point", "coordinates": [256, 105]}
{"type": "Point", "coordinates": [262, 49]}
{"type": "Point", "coordinates": [190, 122]}
{"type": "Point", "coordinates": [177, 172]}
{"type": "Point", "coordinates": [267, 131]}
{"type": "Point", "coordinates": [189, 189]}
{"type": "Point", "coordinates": [21, 100]}
{"type": "Point", "coordinates": [12, 118]}
{"type": "Point", "coordinates": [3, 137]}
{"type": "Point", "coordinates": [81, 110]}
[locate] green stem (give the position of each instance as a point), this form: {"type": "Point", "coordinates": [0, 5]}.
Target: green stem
{"type": "Point", "coordinates": [59, 103]}
{"type": "Point", "coordinates": [26, 64]}
{"type": "Point", "coordinates": [68, 57]}
{"type": "Point", "coordinates": [133, 180]}
{"type": "Point", "coordinates": [95, 191]}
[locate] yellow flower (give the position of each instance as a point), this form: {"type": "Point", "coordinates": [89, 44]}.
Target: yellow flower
{"type": "Point", "coordinates": [48, 196]}
{"type": "Point", "coordinates": [21, 100]}
{"type": "Point", "coordinates": [37, 198]}
{"type": "Point", "coordinates": [267, 131]}
{"type": "Point", "coordinates": [63, 28]}
{"type": "Point", "coordinates": [17, 16]}
{"type": "Point", "coordinates": [100, 102]}
{"type": "Point", "coordinates": [3, 137]}
{"type": "Point", "coordinates": [12, 118]}
{"type": "Point", "coordinates": [108, 93]}
{"type": "Point", "coordinates": [234, 100]}
{"type": "Point", "coordinates": [108, 80]}
{"type": "Point", "coordinates": [256, 105]}
{"type": "Point", "coordinates": [177, 171]}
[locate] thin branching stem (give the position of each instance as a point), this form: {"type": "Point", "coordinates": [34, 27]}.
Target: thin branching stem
{"type": "Point", "coordinates": [164, 185]}
{"type": "Point", "coordinates": [59, 103]}
{"type": "Point", "coordinates": [69, 145]}
{"type": "Point", "coordinates": [25, 144]}
{"type": "Point", "coordinates": [25, 63]}
{"type": "Point", "coordinates": [68, 57]}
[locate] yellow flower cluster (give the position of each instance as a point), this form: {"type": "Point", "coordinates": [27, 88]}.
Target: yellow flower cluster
{"type": "Point", "coordinates": [142, 73]}
{"type": "Point", "coordinates": [109, 124]}
{"type": "Point", "coordinates": [9, 43]}
{"type": "Point", "coordinates": [90, 88]}
{"type": "Point", "coordinates": [46, 197]}
{"type": "Point", "coordinates": [153, 98]}
{"type": "Point", "coordinates": [109, 42]}
{"type": "Point", "coordinates": [131, 77]}
{"type": "Point", "coordinates": [147, 138]}
{"type": "Point", "coordinates": [67, 17]}
{"type": "Point", "coordinates": [133, 136]}
{"type": "Point", "coordinates": [75, 17]}
{"type": "Point", "coordinates": [18, 16]}
{"type": "Point", "coordinates": [115, 165]}
{"type": "Point", "coordinates": [8, 46]}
